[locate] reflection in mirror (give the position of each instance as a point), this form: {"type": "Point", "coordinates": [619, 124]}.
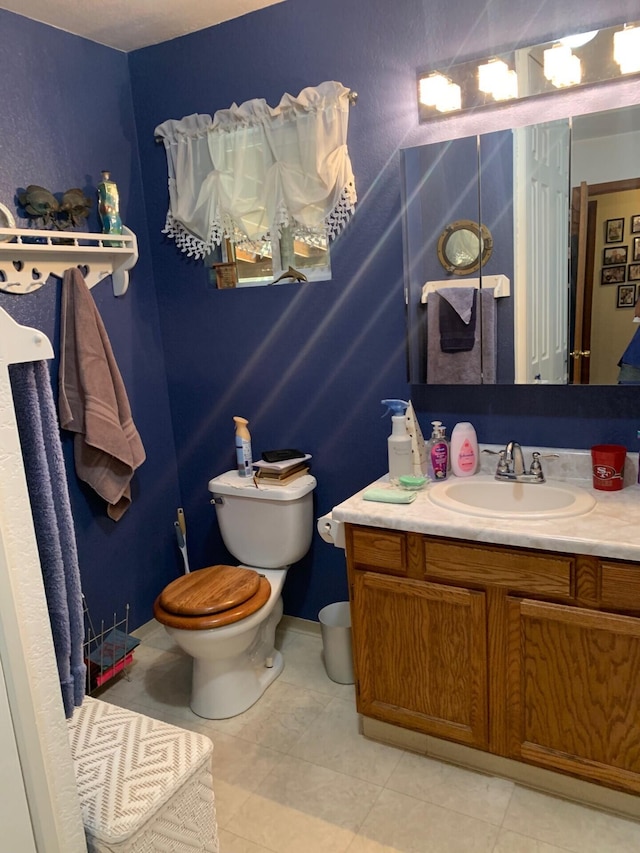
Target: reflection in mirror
{"type": "Point", "coordinates": [463, 246]}
{"type": "Point", "coordinates": [563, 322]}
{"type": "Point", "coordinates": [440, 185]}
{"type": "Point", "coordinates": [605, 180]}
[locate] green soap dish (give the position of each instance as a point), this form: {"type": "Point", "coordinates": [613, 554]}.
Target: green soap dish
{"type": "Point", "coordinates": [412, 483]}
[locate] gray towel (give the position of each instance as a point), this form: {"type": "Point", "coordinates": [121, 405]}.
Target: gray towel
{"type": "Point", "coordinates": [457, 318]}
{"type": "Point", "coordinates": [53, 522]}
{"type": "Point", "coordinates": [474, 367]}
{"type": "Point", "coordinates": [93, 401]}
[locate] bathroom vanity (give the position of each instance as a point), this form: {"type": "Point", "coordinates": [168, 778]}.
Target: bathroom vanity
{"type": "Point", "coordinates": [518, 640]}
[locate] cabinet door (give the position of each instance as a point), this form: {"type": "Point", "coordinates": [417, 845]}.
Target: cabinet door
{"type": "Point", "coordinates": [574, 691]}
{"type": "Point", "coordinates": [420, 652]}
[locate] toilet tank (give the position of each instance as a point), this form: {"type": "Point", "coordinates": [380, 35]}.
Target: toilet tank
{"type": "Point", "coordinates": [264, 526]}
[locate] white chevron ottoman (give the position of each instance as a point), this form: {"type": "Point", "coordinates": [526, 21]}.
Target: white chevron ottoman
{"type": "Point", "coordinates": [145, 786]}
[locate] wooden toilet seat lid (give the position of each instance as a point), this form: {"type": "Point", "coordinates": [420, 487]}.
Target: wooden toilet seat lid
{"type": "Point", "coordinates": [211, 590]}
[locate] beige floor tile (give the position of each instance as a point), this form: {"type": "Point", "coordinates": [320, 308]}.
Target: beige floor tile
{"type": "Point", "coordinates": [285, 830]}
{"type": "Point", "coordinates": [282, 714]}
{"type": "Point", "coordinates": [154, 634]}
{"type": "Point", "coordinates": [304, 667]}
{"type": "Point", "coordinates": [229, 800]}
{"type": "Point", "coordinates": [513, 842]}
{"type": "Point", "coordinates": [455, 788]}
{"type": "Point", "coordinates": [570, 826]}
{"type": "Point", "coordinates": [238, 768]}
{"type": "Point", "coordinates": [230, 843]}
{"type": "Point", "coordinates": [404, 824]}
{"type": "Point", "coordinates": [319, 792]}
{"type": "Point", "coordinates": [334, 741]}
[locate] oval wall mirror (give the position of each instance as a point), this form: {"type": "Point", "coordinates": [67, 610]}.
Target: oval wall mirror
{"type": "Point", "coordinates": [463, 246]}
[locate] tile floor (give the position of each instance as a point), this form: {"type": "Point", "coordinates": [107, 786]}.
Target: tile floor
{"type": "Point", "coordinates": [294, 775]}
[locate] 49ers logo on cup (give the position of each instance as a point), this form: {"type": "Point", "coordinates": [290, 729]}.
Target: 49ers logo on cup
{"type": "Point", "coordinates": [604, 472]}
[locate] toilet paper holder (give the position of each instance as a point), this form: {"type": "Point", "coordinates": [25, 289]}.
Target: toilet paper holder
{"type": "Point", "coordinates": [331, 531]}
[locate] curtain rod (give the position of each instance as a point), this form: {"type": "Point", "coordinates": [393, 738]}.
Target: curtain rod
{"type": "Point", "coordinates": [353, 97]}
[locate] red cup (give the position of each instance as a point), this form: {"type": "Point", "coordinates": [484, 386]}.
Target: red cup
{"type": "Point", "coordinates": [608, 466]}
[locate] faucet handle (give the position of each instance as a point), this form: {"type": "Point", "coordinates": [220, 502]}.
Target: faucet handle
{"type": "Point", "coordinates": [536, 467]}
{"type": "Point", "coordinates": [503, 466]}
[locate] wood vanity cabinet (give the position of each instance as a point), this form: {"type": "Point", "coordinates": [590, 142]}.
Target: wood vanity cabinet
{"type": "Point", "coordinates": [531, 655]}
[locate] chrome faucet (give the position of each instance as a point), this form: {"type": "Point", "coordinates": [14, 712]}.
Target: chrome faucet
{"type": "Point", "coordinates": [514, 458]}
{"type": "Point", "coordinates": [511, 465]}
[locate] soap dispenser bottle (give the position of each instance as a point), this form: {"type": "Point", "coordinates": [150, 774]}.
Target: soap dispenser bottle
{"type": "Point", "coordinates": [437, 453]}
{"type": "Point", "coordinates": [399, 442]}
{"type": "Point", "coordinates": [464, 450]}
{"type": "Point", "coordinates": [243, 448]}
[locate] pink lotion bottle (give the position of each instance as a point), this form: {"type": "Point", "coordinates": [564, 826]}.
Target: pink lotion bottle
{"type": "Point", "coordinates": [464, 450]}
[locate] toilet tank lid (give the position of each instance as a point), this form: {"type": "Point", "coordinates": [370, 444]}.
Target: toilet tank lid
{"type": "Point", "coordinates": [231, 483]}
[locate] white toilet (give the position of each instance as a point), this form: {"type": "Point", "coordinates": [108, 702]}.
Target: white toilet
{"type": "Point", "coordinates": [225, 617]}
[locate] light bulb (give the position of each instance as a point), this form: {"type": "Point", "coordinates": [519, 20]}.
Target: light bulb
{"type": "Point", "coordinates": [561, 66]}
{"type": "Point", "coordinates": [626, 49]}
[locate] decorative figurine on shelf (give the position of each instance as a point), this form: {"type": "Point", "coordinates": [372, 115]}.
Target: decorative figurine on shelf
{"type": "Point", "coordinates": [109, 207]}
{"type": "Point", "coordinates": [40, 204]}
{"type": "Point", "coordinates": [47, 212]}
{"type": "Point", "coordinates": [75, 205]}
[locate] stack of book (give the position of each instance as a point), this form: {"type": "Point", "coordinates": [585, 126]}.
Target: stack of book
{"type": "Point", "coordinates": [281, 473]}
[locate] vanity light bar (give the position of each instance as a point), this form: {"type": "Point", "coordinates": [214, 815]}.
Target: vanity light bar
{"type": "Point", "coordinates": [581, 59]}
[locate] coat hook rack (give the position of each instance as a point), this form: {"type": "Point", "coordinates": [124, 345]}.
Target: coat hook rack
{"type": "Point", "coordinates": [28, 257]}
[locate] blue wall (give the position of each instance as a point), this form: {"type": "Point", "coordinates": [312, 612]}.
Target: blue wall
{"type": "Point", "coordinates": [306, 364]}
{"type": "Point", "coordinates": [68, 114]}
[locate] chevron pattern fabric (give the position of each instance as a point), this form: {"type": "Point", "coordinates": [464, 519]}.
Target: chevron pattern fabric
{"type": "Point", "coordinates": [145, 786]}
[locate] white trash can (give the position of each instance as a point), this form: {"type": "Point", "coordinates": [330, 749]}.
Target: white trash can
{"type": "Point", "coordinates": [335, 627]}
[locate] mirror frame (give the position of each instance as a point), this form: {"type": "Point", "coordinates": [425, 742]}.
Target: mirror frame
{"type": "Point", "coordinates": [482, 234]}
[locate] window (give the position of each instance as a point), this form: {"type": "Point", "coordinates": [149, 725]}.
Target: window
{"type": "Point", "coordinates": [264, 188]}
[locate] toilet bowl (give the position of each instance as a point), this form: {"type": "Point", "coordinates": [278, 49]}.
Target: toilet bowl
{"type": "Point", "coordinates": [226, 616]}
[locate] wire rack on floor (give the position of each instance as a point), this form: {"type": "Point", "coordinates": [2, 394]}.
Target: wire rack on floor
{"type": "Point", "coordinates": [108, 652]}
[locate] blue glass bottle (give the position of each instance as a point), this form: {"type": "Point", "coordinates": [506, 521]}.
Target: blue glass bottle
{"type": "Point", "coordinates": [109, 207]}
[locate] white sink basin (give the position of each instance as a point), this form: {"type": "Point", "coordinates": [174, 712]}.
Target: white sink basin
{"type": "Point", "coordinates": [483, 495]}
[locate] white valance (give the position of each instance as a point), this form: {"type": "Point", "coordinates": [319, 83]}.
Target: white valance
{"type": "Point", "coordinates": [252, 169]}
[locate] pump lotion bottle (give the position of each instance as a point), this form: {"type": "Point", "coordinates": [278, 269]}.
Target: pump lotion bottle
{"type": "Point", "coordinates": [464, 450]}
{"type": "Point", "coordinates": [399, 442]}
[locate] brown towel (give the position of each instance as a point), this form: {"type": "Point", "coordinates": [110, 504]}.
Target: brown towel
{"type": "Point", "coordinates": [93, 401]}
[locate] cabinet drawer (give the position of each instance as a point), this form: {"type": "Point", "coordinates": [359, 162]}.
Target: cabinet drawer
{"type": "Point", "coordinates": [620, 587]}
{"type": "Point", "coordinates": [533, 573]}
{"type": "Point", "coordinates": [378, 549]}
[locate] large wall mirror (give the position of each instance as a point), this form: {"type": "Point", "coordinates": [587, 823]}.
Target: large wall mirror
{"type": "Point", "coordinates": [555, 296]}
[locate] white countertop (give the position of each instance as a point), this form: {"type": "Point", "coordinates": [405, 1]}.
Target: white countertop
{"type": "Point", "coordinates": [611, 529]}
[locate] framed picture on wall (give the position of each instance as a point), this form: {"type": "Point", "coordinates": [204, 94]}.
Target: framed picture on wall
{"type": "Point", "coordinates": [635, 223]}
{"type": "Point", "coordinates": [633, 273]}
{"type": "Point", "coordinates": [636, 249]}
{"type": "Point", "coordinates": [615, 255]}
{"type": "Point", "coordinates": [613, 230]}
{"type": "Point", "coordinates": [612, 275]}
{"type": "Point", "coordinates": [626, 295]}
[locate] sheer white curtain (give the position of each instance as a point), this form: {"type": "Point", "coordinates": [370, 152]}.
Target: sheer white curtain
{"type": "Point", "coordinates": [252, 169]}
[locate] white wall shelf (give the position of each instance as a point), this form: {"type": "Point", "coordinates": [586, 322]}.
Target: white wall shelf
{"type": "Point", "coordinates": [28, 257]}
{"type": "Point", "coordinates": [500, 283]}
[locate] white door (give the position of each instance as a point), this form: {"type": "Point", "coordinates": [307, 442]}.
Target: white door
{"type": "Point", "coordinates": [541, 178]}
